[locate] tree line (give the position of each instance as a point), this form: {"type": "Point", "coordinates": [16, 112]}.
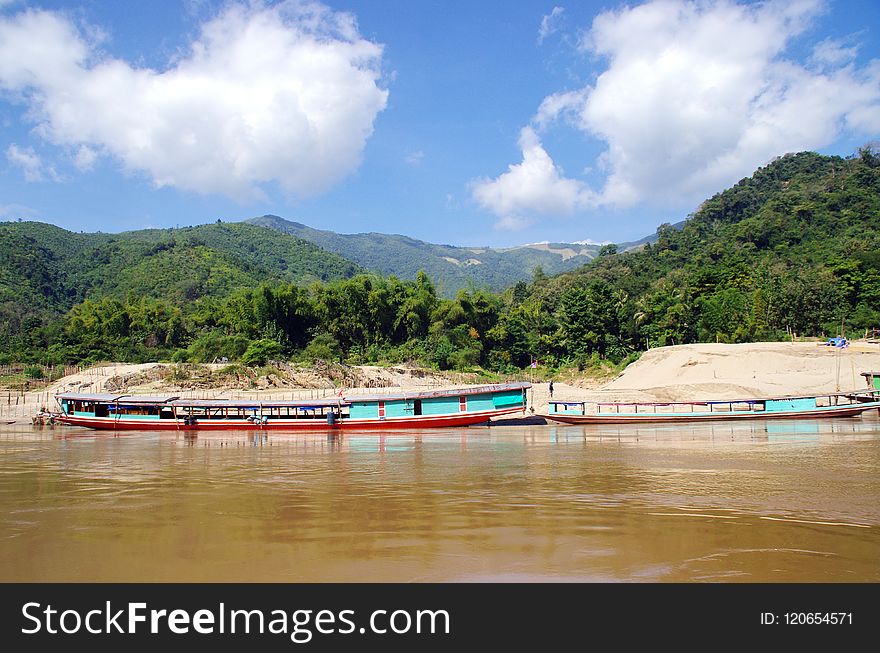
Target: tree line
{"type": "Point", "coordinates": [793, 249]}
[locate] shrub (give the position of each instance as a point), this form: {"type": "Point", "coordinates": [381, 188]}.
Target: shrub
{"type": "Point", "coordinates": [260, 351]}
{"type": "Point", "coordinates": [34, 372]}
{"type": "Point", "coordinates": [324, 347]}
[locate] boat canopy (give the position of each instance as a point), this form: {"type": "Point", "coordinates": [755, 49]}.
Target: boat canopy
{"type": "Point", "coordinates": [105, 398]}
{"type": "Point", "coordinates": [303, 404]}
{"type": "Point", "coordinates": [448, 392]}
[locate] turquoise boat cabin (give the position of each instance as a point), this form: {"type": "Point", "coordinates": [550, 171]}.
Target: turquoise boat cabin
{"type": "Point", "coordinates": [440, 402]}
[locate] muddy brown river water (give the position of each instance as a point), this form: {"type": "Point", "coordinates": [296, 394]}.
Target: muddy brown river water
{"type": "Point", "coordinates": [756, 502]}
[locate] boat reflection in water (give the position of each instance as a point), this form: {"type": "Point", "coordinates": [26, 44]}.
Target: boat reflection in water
{"type": "Point", "coordinates": [753, 430]}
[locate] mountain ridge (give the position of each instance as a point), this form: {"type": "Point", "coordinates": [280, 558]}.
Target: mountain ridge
{"type": "Point", "coordinates": [51, 268]}
{"type": "Point", "coordinates": [451, 267]}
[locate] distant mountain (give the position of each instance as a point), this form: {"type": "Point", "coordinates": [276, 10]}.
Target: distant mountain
{"type": "Point", "coordinates": [44, 267]}
{"type": "Point", "coordinates": [450, 267]}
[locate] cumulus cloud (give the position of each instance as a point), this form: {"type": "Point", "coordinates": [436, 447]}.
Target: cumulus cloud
{"type": "Point", "coordinates": [693, 96]}
{"type": "Point", "coordinates": [283, 93]}
{"type": "Point", "coordinates": [534, 186]}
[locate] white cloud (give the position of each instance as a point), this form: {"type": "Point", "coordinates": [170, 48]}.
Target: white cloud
{"type": "Point", "coordinates": [535, 186]}
{"type": "Point", "coordinates": [85, 158]}
{"type": "Point", "coordinates": [559, 105]}
{"type": "Point", "coordinates": [10, 212]}
{"type": "Point", "coordinates": [414, 158]}
{"type": "Point", "coordinates": [834, 52]}
{"type": "Point", "coordinates": [512, 223]}
{"type": "Point", "coordinates": [30, 163]}
{"type": "Point", "coordinates": [697, 95]}
{"type": "Point", "coordinates": [286, 93]}
{"type": "Point", "coordinates": [549, 24]}
{"type": "Point", "coordinates": [26, 159]}
{"type": "Point", "coordinates": [694, 95]}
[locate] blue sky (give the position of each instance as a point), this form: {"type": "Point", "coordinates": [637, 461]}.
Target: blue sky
{"type": "Point", "coordinates": [468, 123]}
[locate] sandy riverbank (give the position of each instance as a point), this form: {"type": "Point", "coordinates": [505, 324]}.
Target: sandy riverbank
{"type": "Point", "coordinates": [679, 373]}
{"type": "Point", "coordinates": [721, 371]}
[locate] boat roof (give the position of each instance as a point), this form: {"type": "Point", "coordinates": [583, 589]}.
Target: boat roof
{"type": "Point", "coordinates": [324, 402]}
{"type": "Point", "coordinates": [116, 398]}
{"type": "Point", "coordinates": [706, 402]}
{"type": "Point", "coordinates": [177, 401]}
{"type": "Point", "coordinates": [256, 403]}
{"type": "Point", "coordinates": [447, 392]}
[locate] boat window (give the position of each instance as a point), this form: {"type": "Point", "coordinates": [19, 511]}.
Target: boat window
{"type": "Point", "coordinates": [417, 407]}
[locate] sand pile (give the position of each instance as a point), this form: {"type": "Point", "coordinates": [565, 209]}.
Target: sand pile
{"type": "Point", "coordinates": [755, 369]}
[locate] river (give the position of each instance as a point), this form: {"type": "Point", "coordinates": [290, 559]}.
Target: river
{"type": "Point", "coordinates": [756, 502]}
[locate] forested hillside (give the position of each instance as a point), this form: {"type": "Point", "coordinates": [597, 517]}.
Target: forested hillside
{"type": "Point", "coordinates": [45, 270]}
{"type": "Point", "coordinates": [450, 268]}
{"type": "Point", "coordinates": [793, 248]}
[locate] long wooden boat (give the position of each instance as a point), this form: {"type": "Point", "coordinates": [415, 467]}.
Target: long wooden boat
{"type": "Point", "coordinates": [842, 404]}
{"type": "Point", "coordinates": [405, 410]}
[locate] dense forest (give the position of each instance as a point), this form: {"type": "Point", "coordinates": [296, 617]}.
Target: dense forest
{"type": "Point", "coordinates": [792, 249]}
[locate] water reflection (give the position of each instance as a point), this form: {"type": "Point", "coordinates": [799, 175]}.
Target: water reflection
{"type": "Point", "coordinates": [753, 501]}
{"type": "Point", "coordinates": [810, 430]}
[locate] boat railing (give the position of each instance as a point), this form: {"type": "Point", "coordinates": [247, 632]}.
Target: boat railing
{"type": "Point", "coordinates": [866, 395]}
{"type": "Point", "coordinates": [823, 400]}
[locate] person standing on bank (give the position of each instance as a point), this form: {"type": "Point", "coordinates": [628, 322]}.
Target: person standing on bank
{"type": "Point", "coordinates": [551, 388]}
